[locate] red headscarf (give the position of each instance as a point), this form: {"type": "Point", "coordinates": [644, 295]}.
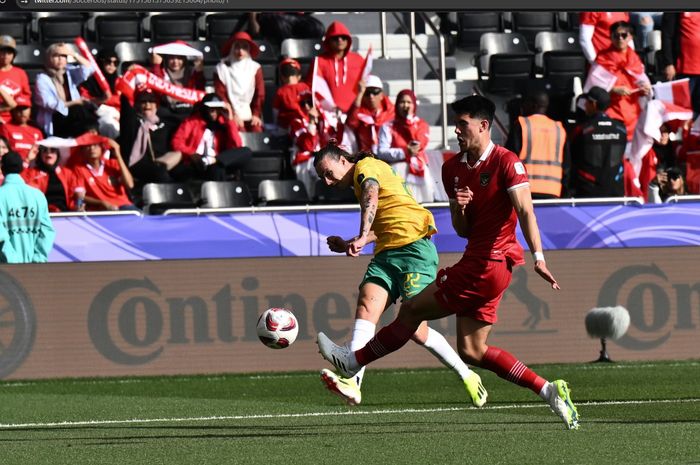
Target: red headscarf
{"type": "Point", "coordinates": [411, 128]}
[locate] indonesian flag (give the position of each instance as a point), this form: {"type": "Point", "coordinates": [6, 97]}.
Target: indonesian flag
{"type": "Point", "coordinates": [138, 77]}
{"type": "Point", "coordinates": [323, 98]}
{"type": "Point", "coordinates": [85, 51]}
{"type": "Point", "coordinates": [367, 66]}
{"type": "Point", "coordinates": [599, 76]}
{"type": "Point", "coordinates": [672, 105]}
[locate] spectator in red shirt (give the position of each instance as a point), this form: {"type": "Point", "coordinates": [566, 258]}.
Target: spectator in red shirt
{"type": "Point", "coordinates": [109, 105]}
{"type": "Point", "coordinates": [55, 181]}
{"type": "Point", "coordinates": [13, 80]}
{"type": "Point", "coordinates": [680, 40]}
{"type": "Point", "coordinates": [594, 31]}
{"type": "Point", "coordinates": [286, 103]}
{"type": "Point", "coordinates": [238, 80]}
{"type": "Point", "coordinates": [19, 133]}
{"type": "Point", "coordinates": [177, 70]}
{"type": "Point", "coordinates": [106, 182]}
{"type": "Point", "coordinates": [340, 67]}
{"type": "Point", "coordinates": [632, 82]}
{"type": "Point", "coordinates": [371, 110]}
{"type": "Point", "coordinates": [210, 142]}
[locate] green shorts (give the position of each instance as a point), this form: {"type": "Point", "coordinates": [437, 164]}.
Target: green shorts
{"type": "Point", "coordinates": [404, 271]}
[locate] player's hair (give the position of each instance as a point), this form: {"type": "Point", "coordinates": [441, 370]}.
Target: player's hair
{"type": "Point", "coordinates": [618, 24]}
{"type": "Point", "coordinates": [475, 106]}
{"type": "Point", "coordinates": [334, 152]}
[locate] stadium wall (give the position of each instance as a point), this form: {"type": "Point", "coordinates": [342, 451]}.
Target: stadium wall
{"type": "Point", "coordinates": [198, 316]}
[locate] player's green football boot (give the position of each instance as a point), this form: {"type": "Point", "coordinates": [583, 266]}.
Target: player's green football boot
{"type": "Point", "coordinates": [345, 388]}
{"type": "Point", "coordinates": [475, 389]}
{"type": "Point", "coordinates": [561, 403]}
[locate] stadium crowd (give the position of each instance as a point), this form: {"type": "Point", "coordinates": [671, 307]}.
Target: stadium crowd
{"type": "Point", "coordinates": [90, 130]}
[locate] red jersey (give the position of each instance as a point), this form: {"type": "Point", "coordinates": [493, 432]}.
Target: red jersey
{"type": "Point", "coordinates": [602, 20]}
{"type": "Point", "coordinates": [286, 102]}
{"type": "Point", "coordinates": [689, 58]}
{"type": "Point", "coordinates": [15, 82]}
{"type": "Point", "coordinates": [491, 215]}
{"type": "Point", "coordinates": [21, 138]}
{"type": "Point", "coordinates": [103, 184]}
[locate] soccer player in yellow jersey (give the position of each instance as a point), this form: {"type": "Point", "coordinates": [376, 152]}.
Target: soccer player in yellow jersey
{"type": "Point", "coordinates": [405, 259]}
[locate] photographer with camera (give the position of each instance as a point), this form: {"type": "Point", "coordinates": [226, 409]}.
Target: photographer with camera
{"type": "Point", "coordinates": [667, 183]}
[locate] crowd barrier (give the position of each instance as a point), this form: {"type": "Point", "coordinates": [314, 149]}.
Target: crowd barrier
{"type": "Point", "coordinates": [181, 293]}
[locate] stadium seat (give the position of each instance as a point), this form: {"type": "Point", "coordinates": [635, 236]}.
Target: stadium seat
{"type": "Point", "coordinates": [473, 24]}
{"type": "Point", "coordinates": [325, 194]}
{"type": "Point", "coordinates": [16, 25]}
{"type": "Point", "coordinates": [167, 27]}
{"type": "Point", "coordinates": [112, 28]}
{"type": "Point", "coordinates": [60, 27]}
{"type": "Point", "coordinates": [282, 192]}
{"type": "Point", "coordinates": [31, 59]}
{"type": "Point", "coordinates": [220, 26]}
{"type": "Point", "coordinates": [568, 21]}
{"type": "Point", "coordinates": [225, 194]}
{"type": "Point", "coordinates": [268, 53]}
{"type": "Point", "coordinates": [505, 59]}
{"type": "Point", "coordinates": [133, 52]}
{"type": "Point", "coordinates": [210, 55]}
{"type": "Point", "coordinates": [302, 50]}
{"type": "Point", "coordinates": [270, 158]}
{"type": "Point", "coordinates": [652, 54]}
{"type": "Point", "coordinates": [530, 23]}
{"type": "Point", "coordinates": [559, 56]}
{"type": "Point", "coordinates": [159, 197]}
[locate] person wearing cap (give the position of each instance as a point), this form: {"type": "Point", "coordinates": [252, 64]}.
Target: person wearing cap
{"type": "Point", "coordinates": [26, 232]}
{"type": "Point", "coordinates": [109, 106]}
{"type": "Point", "coordinates": [62, 111]}
{"type": "Point", "coordinates": [177, 70]}
{"type": "Point", "coordinates": [339, 66]}
{"type": "Point", "coordinates": [541, 143]}
{"type": "Point", "coordinates": [286, 103]}
{"type": "Point", "coordinates": [238, 80]}
{"type": "Point", "coordinates": [106, 181]}
{"type": "Point", "coordinates": [21, 135]}
{"type": "Point", "coordinates": [55, 181]}
{"type": "Point", "coordinates": [209, 140]}
{"type": "Point", "coordinates": [369, 112]}
{"type": "Point", "coordinates": [13, 80]}
{"type": "Point", "coordinates": [145, 138]}
{"type": "Point", "coordinates": [597, 147]}
{"type": "Point", "coordinates": [627, 71]}
{"type": "Point", "coordinates": [668, 182]}
{"type": "Point", "coordinates": [402, 143]}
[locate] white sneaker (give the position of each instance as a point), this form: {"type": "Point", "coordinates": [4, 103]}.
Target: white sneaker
{"type": "Point", "coordinates": [346, 388]}
{"type": "Point", "coordinates": [339, 356]}
{"type": "Point", "coordinates": [560, 402]}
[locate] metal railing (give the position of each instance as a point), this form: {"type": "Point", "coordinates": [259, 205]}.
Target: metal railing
{"type": "Point", "coordinates": [411, 31]}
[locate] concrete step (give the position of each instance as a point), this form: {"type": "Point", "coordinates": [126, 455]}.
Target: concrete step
{"type": "Point", "coordinates": [429, 89]}
{"type": "Point", "coordinates": [397, 45]}
{"type": "Point", "coordinates": [398, 68]}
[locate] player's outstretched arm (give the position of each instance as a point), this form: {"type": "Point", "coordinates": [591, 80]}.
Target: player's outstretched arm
{"type": "Point", "coordinates": [522, 202]}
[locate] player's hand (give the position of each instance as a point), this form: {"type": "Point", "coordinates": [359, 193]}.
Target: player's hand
{"type": "Point", "coordinates": [541, 269]}
{"type": "Point", "coordinates": [337, 244]}
{"type": "Point", "coordinates": [355, 246]}
{"type": "Point", "coordinates": [463, 196]}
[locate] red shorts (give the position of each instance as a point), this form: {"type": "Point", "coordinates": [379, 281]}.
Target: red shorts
{"type": "Point", "coordinates": [473, 287]}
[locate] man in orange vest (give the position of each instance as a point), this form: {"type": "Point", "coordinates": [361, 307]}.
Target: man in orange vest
{"type": "Point", "coordinates": [540, 142]}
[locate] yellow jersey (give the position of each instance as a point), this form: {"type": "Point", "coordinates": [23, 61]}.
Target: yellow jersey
{"type": "Point", "coordinates": [400, 220]}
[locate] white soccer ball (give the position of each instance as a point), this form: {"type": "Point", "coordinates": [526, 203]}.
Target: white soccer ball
{"type": "Point", "coordinates": [277, 328]}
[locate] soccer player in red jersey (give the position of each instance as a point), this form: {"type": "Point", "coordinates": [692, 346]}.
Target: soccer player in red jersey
{"type": "Point", "coordinates": [489, 192]}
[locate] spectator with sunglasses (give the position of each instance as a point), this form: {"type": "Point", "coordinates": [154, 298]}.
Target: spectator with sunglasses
{"type": "Point", "coordinates": [109, 106]}
{"type": "Point", "coordinates": [286, 103]}
{"type": "Point", "coordinates": [372, 109]}
{"type": "Point", "coordinates": [631, 82]}
{"type": "Point", "coordinates": [667, 183]}
{"type": "Point", "coordinates": [594, 33]}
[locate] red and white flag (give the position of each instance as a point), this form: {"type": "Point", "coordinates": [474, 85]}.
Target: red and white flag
{"type": "Point", "coordinates": [367, 66]}
{"type": "Point", "coordinates": [599, 76]}
{"type": "Point", "coordinates": [676, 92]}
{"type": "Point", "coordinates": [323, 98]}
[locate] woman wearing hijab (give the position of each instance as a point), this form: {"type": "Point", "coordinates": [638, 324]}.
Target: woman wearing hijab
{"type": "Point", "coordinates": [55, 181]}
{"type": "Point", "coordinates": [176, 69]}
{"type": "Point", "coordinates": [62, 111]}
{"type": "Point", "coordinates": [238, 80]}
{"type": "Point", "coordinates": [402, 143]}
{"type": "Point", "coordinates": [109, 106]}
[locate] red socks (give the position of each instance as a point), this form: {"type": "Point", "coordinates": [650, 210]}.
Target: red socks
{"type": "Point", "coordinates": [511, 369]}
{"type": "Point", "coordinates": [388, 339]}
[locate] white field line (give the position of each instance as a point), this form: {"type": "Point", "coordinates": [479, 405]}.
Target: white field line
{"type": "Point", "coordinates": [181, 379]}
{"type": "Point", "coordinates": [8, 426]}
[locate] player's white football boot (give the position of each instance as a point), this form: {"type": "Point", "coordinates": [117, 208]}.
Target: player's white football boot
{"type": "Point", "coordinates": [340, 356]}
{"type": "Point", "coordinates": [561, 403]}
{"type": "Point", "coordinates": [345, 388]}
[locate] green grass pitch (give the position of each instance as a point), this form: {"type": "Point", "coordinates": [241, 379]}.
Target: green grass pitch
{"type": "Point", "coordinates": [641, 413]}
